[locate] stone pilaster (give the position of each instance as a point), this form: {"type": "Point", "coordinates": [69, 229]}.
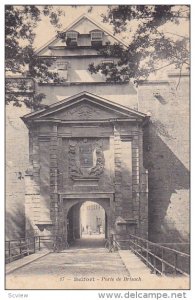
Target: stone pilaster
{"type": "Point", "coordinates": [143, 207]}
{"type": "Point", "coordinates": [135, 177]}
{"type": "Point", "coordinates": [54, 178]}
{"type": "Point", "coordinates": [144, 204]}
{"type": "Point", "coordinates": [36, 157]}
{"type": "Point", "coordinates": [118, 175]}
{"type": "Point", "coordinates": [139, 185]}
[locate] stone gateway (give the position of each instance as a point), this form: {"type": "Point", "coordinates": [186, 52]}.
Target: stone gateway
{"type": "Point", "coordinates": [96, 159]}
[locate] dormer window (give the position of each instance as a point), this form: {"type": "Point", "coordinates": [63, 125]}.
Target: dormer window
{"type": "Point", "coordinates": [96, 38]}
{"type": "Point", "coordinates": [71, 38]}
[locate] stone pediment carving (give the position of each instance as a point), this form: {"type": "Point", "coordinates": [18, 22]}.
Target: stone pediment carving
{"type": "Point", "coordinates": [85, 111]}
{"type": "Point", "coordinates": [84, 106]}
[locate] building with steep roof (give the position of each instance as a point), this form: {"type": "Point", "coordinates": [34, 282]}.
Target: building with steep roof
{"type": "Point", "coordinates": [95, 142]}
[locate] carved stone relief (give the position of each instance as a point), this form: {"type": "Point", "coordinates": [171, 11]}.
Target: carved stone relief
{"type": "Point", "coordinates": [98, 169]}
{"type": "Point", "coordinates": [74, 168]}
{"type": "Point", "coordinates": [85, 111]}
{"type": "Point", "coordinates": [86, 158]}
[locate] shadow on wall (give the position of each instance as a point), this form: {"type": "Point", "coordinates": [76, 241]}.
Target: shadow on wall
{"type": "Point", "coordinates": [168, 200]}
{"type": "Point", "coordinates": [15, 224]}
{"type": "Point", "coordinates": [17, 221]}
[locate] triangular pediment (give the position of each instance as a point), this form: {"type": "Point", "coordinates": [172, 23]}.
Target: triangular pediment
{"type": "Point", "coordinates": [84, 107]}
{"type": "Point", "coordinates": [83, 25]}
{"type": "Point", "coordinates": [85, 110]}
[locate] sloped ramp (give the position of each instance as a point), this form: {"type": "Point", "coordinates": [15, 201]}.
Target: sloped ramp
{"type": "Point", "coordinates": [134, 265]}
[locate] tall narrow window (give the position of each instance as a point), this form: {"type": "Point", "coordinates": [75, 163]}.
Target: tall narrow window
{"type": "Point", "coordinates": [62, 69]}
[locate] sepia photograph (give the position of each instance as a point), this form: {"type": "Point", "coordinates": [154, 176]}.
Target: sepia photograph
{"type": "Point", "coordinates": [97, 147]}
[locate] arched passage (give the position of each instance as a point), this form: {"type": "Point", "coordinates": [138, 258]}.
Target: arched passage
{"type": "Point", "coordinates": [86, 218]}
{"type": "Point", "coordinates": [92, 220]}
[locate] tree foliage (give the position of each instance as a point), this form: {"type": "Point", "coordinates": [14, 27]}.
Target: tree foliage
{"type": "Point", "coordinates": [151, 46]}
{"type": "Point", "coordinates": [20, 55]}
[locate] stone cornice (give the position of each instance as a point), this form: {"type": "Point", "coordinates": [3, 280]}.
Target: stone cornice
{"type": "Point", "coordinates": [83, 83]}
{"type": "Point", "coordinates": [108, 121]}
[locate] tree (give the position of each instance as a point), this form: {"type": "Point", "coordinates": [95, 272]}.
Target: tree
{"type": "Point", "coordinates": [20, 56]}
{"type": "Point", "coordinates": [151, 47]}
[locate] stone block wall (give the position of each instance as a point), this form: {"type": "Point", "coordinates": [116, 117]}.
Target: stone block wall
{"type": "Point", "coordinates": [166, 156]}
{"type": "Point", "coordinates": [17, 145]}
{"type": "Point", "coordinates": [124, 94]}
{"type": "Point", "coordinates": [131, 200]}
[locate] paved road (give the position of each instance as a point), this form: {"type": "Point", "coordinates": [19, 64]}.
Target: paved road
{"type": "Point", "coordinates": [88, 265]}
{"type": "Point", "coordinates": [85, 257]}
{"type": "Point", "coordinates": [86, 261]}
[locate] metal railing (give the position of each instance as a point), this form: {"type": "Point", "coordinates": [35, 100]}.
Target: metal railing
{"type": "Point", "coordinates": [18, 248]}
{"type": "Point", "coordinates": [161, 259]}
